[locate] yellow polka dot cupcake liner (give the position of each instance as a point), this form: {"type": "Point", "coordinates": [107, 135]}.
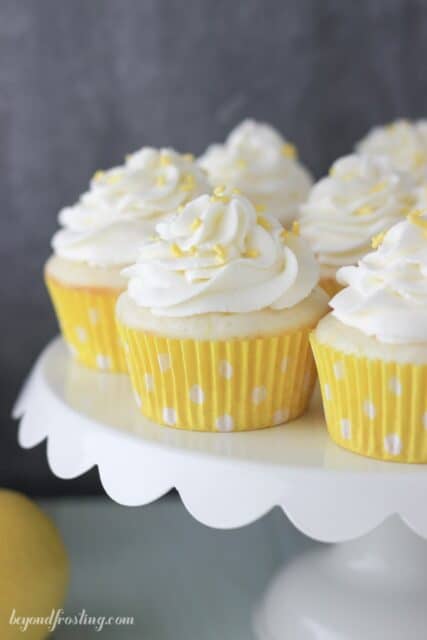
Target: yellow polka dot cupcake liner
{"type": "Point", "coordinates": [331, 286]}
{"type": "Point", "coordinates": [220, 386]}
{"type": "Point", "coordinates": [372, 407]}
{"type": "Point", "coordinates": [88, 325]}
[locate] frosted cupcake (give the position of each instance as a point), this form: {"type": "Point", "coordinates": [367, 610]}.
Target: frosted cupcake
{"type": "Point", "coordinates": [101, 235]}
{"type": "Point", "coordinates": [361, 197]}
{"type": "Point", "coordinates": [216, 319]}
{"type": "Point", "coordinates": [263, 165]}
{"type": "Point", "coordinates": [403, 142]}
{"type": "Point", "coordinates": [371, 351]}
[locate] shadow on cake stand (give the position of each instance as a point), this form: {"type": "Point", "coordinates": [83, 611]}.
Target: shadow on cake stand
{"type": "Point", "coordinates": [370, 584]}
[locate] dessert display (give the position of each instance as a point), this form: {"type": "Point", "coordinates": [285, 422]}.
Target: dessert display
{"type": "Point", "coordinates": [258, 161]}
{"type": "Point", "coordinates": [359, 199]}
{"type": "Point", "coordinates": [101, 235]}
{"type": "Point", "coordinates": [216, 318]}
{"type": "Point", "coordinates": [371, 350]}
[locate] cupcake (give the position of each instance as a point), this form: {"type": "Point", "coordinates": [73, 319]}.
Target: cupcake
{"type": "Point", "coordinates": [216, 318]}
{"type": "Point", "coordinates": [360, 198]}
{"type": "Point", "coordinates": [371, 351]}
{"type": "Point", "coordinates": [101, 235]}
{"type": "Point", "coordinates": [403, 142]}
{"type": "Point", "coordinates": [263, 165]}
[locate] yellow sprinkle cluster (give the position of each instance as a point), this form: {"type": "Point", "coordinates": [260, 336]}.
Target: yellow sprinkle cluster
{"type": "Point", "coordinates": [98, 175]}
{"type": "Point", "coordinates": [188, 182]}
{"type": "Point", "coordinates": [295, 230]}
{"type": "Point", "coordinates": [289, 150]}
{"type": "Point", "coordinates": [219, 195]}
{"type": "Point", "coordinates": [264, 223]}
{"type": "Point", "coordinates": [165, 160]}
{"type": "Point", "coordinates": [377, 188]}
{"type": "Point", "coordinates": [195, 224]}
{"type": "Point", "coordinates": [176, 251]}
{"type": "Point", "coordinates": [113, 179]}
{"type": "Point", "coordinates": [260, 208]}
{"type": "Point", "coordinates": [220, 253]}
{"type": "Point", "coordinates": [251, 253]}
{"type": "Point", "coordinates": [364, 211]}
{"type": "Point", "coordinates": [160, 181]}
{"type": "Point", "coordinates": [378, 240]}
{"type": "Point", "coordinates": [415, 217]}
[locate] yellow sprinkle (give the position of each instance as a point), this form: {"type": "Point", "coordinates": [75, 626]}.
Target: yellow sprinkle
{"type": "Point", "coordinates": [295, 228]}
{"type": "Point", "coordinates": [419, 159]}
{"type": "Point", "coordinates": [378, 240]}
{"type": "Point", "coordinates": [160, 181]}
{"type": "Point", "coordinates": [164, 160]}
{"type": "Point", "coordinates": [409, 201]}
{"type": "Point", "coordinates": [364, 211]}
{"type": "Point", "coordinates": [284, 234]}
{"type": "Point", "coordinates": [113, 179]}
{"type": "Point", "coordinates": [195, 224]}
{"type": "Point", "coordinates": [193, 251]}
{"type": "Point", "coordinates": [236, 192]}
{"type": "Point", "coordinates": [98, 174]}
{"type": "Point", "coordinates": [260, 208]}
{"type": "Point", "coordinates": [188, 183]}
{"type": "Point", "coordinates": [189, 157]}
{"type": "Point", "coordinates": [176, 251]}
{"type": "Point", "coordinates": [251, 253]}
{"type": "Point", "coordinates": [220, 252]}
{"type": "Point", "coordinates": [264, 223]}
{"type": "Point", "coordinates": [415, 217]}
{"type": "Point", "coordinates": [219, 191]}
{"type": "Point", "coordinates": [289, 150]}
{"type": "Point", "coordinates": [377, 188]}
{"type": "Point", "coordinates": [241, 164]}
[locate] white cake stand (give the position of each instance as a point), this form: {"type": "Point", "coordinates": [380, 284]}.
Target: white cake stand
{"type": "Point", "coordinates": [367, 588]}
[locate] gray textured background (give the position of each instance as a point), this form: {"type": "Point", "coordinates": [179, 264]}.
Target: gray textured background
{"type": "Point", "coordinates": [82, 82]}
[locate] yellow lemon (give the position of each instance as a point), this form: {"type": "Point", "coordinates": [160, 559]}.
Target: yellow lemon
{"type": "Point", "coordinates": [33, 566]}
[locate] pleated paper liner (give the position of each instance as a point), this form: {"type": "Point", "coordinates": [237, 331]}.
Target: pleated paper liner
{"type": "Point", "coordinates": [88, 324]}
{"type": "Point", "coordinates": [331, 286]}
{"type": "Point", "coordinates": [230, 385]}
{"type": "Point", "coordinates": [372, 407]}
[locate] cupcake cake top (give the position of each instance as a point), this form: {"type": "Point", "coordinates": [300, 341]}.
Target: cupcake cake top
{"type": "Point", "coordinates": [386, 296]}
{"type": "Point", "coordinates": [403, 142]}
{"type": "Point", "coordinates": [219, 255]}
{"type": "Point", "coordinates": [123, 204]}
{"type": "Point", "coordinates": [256, 159]}
{"type": "Point", "coordinates": [360, 198]}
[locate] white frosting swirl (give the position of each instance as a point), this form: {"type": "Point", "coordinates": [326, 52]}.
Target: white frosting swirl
{"type": "Point", "coordinates": [218, 255]}
{"type": "Point", "coordinates": [258, 161]}
{"type": "Point", "coordinates": [106, 226]}
{"type": "Point", "coordinates": [360, 198]}
{"type": "Point", "coordinates": [403, 142]}
{"type": "Point", "coordinates": [386, 295]}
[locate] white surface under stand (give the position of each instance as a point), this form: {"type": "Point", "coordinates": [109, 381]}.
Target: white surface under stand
{"type": "Point", "coordinates": [364, 588]}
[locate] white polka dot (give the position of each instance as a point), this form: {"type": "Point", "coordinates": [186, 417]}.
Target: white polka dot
{"type": "Point", "coordinates": [284, 364]}
{"type": "Point", "coordinates": [197, 394]}
{"type": "Point", "coordinates": [395, 386]}
{"type": "Point", "coordinates": [369, 409]}
{"type": "Point", "coordinates": [346, 428]}
{"type": "Point", "coordinates": [393, 444]}
{"type": "Point", "coordinates": [225, 369]}
{"type": "Point", "coordinates": [225, 423]}
{"type": "Point", "coordinates": [103, 362]}
{"type": "Point", "coordinates": [169, 416]}
{"type": "Point", "coordinates": [137, 399]}
{"type": "Point", "coordinates": [425, 420]}
{"type": "Point", "coordinates": [327, 392]}
{"type": "Point", "coordinates": [338, 368]}
{"type": "Point", "coordinates": [149, 381]}
{"type": "Point", "coordinates": [81, 334]}
{"type": "Point", "coordinates": [164, 361]}
{"type": "Point", "coordinates": [93, 316]}
{"type": "Point", "coordinates": [280, 416]}
{"type": "Point", "coordinates": [259, 394]}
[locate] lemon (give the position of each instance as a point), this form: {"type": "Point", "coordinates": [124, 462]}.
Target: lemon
{"type": "Point", "coordinates": [33, 566]}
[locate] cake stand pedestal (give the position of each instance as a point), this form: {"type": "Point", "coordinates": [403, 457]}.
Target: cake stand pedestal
{"type": "Point", "coordinates": [371, 584]}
